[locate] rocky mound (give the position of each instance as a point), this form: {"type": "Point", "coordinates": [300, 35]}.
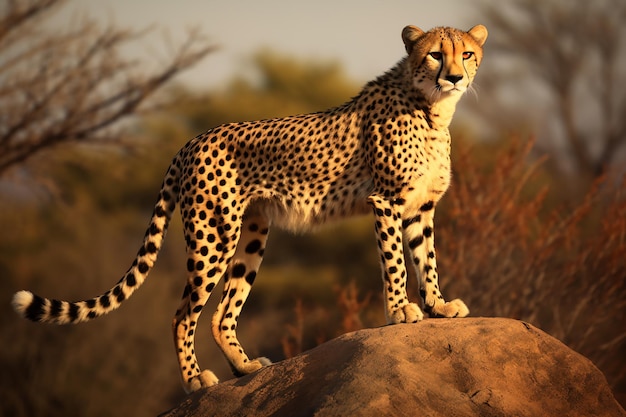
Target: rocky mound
{"type": "Point", "coordinates": [442, 367]}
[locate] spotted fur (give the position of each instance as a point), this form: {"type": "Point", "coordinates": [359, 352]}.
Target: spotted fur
{"type": "Point", "coordinates": [387, 150]}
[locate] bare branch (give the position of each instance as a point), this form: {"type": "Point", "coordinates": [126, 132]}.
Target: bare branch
{"type": "Point", "coordinates": [19, 12]}
{"type": "Point", "coordinates": [74, 86]}
{"type": "Point", "coordinates": [574, 53]}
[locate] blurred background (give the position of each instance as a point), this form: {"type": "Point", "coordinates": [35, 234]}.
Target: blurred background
{"type": "Point", "coordinates": [97, 96]}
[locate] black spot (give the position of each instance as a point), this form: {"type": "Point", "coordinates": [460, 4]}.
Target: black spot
{"type": "Point", "coordinates": [428, 232]}
{"type": "Point", "coordinates": [73, 311]}
{"type": "Point", "coordinates": [210, 287]}
{"type": "Point", "coordinates": [427, 206]}
{"type": "Point", "coordinates": [251, 277]}
{"type": "Point", "coordinates": [159, 212]}
{"type": "Point", "coordinates": [407, 222]}
{"type": "Point", "coordinates": [239, 270]}
{"type": "Point", "coordinates": [143, 267]}
{"type": "Point", "coordinates": [151, 247]}
{"type": "Point", "coordinates": [253, 246]}
{"type": "Point", "coordinates": [197, 281]}
{"type": "Point", "coordinates": [414, 243]}
{"type": "Point", "coordinates": [130, 280]}
{"type": "Point", "coordinates": [190, 265]}
{"type": "Point", "coordinates": [55, 308]}
{"type": "Point", "coordinates": [199, 266]}
{"type": "Point", "coordinates": [104, 301]}
{"type": "Point", "coordinates": [198, 308]}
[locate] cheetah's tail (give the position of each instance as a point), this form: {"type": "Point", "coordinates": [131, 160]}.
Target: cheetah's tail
{"type": "Point", "coordinates": [39, 309]}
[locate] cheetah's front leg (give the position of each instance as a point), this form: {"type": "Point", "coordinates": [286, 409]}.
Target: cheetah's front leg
{"type": "Point", "coordinates": [388, 227]}
{"type": "Point", "coordinates": [419, 234]}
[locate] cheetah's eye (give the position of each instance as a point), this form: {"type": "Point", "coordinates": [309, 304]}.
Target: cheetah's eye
{"type": "Point", "coordinates": [436, 55]}
{"type": "Point", "coordinates": [468, 55]}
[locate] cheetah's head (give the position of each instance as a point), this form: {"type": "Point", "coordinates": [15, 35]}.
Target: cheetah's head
{"type": "Point", "coordinates": [443, 61]}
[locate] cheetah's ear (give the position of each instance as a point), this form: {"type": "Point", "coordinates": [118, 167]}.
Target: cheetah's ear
{"type": "Point", "coordinates": [410, 35]}
{"type": "Point", "coordinates": [479, 33]}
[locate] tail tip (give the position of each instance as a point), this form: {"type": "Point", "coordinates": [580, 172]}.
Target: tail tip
{"type": "Point", "coordinates": [21, 301]}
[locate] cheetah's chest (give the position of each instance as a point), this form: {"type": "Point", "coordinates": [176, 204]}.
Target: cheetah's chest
{"type": "Point", "coordinates": [432, 179]}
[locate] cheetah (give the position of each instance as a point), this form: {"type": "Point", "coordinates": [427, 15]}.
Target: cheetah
{"type": "Point", "coordinates": [386, 152]}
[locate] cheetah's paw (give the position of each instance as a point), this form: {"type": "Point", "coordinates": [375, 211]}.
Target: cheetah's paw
{"type": "Point", "coordinates": [205, 379]}
{"type": "Point", "coordinates": [454, 308]}
{"type": "Point", "coordinates": [253, 365]}
{"type": "Point", "coordinates": [258, 363]}
{"type": "Point", "coordinates": [409, 313]}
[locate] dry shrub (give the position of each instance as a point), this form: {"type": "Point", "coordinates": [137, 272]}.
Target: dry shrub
{"type": "Point", "coordinates": [292, 340]}
{"type": "Point", "coordinates": [314, 326]}
{"type": "Point", "coordinates": [351, 307]}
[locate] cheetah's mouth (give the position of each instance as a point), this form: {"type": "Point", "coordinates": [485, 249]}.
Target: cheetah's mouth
{"type": "Point", "coordinates": [446, 87]}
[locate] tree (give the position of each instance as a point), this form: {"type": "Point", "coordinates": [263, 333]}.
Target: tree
{"type": "Point", "coordinates": [72, 86]}
{"type": "Point", "coordinates": [572, 55]}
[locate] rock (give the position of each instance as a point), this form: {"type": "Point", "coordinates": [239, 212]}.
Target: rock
{"type": "Point", "coordinates": [439, 367]}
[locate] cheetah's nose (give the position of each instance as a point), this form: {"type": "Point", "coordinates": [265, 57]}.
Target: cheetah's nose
{"type": "Point", "coordinates": [454, 78]}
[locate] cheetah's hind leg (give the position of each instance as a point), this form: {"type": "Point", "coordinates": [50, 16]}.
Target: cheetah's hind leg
{"type": "Point", "coordinates": [238, 281]}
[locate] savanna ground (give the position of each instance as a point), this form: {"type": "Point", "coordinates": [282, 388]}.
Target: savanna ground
{"type": "Point", "coordinates": [513, 238]}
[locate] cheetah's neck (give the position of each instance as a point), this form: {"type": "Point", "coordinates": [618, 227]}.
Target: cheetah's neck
{"type": "Point", "coordinates": [438, 108]}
